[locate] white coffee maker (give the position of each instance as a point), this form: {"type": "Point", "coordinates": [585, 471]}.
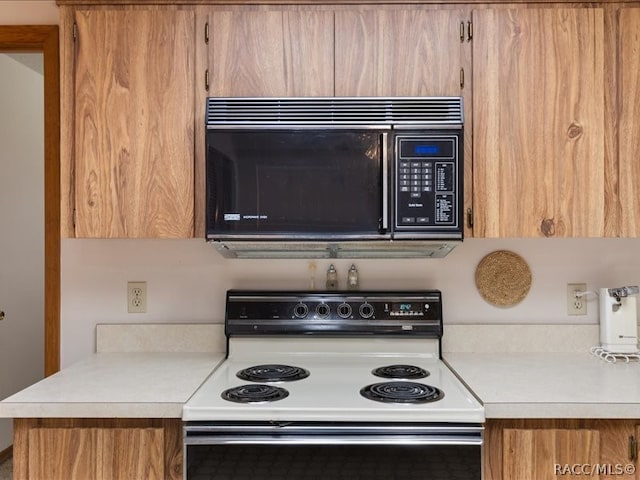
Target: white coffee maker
{"type": "Point", "coordinates": [618, 319]}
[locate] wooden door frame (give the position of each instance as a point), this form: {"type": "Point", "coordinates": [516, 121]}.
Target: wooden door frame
{"type": "Point", "coordinates": [45, 39]}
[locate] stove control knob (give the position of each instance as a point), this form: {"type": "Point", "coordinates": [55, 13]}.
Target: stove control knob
{"type": "Point", "coordinates": [301, 310]}
{"type": "Point", "coordinates": [344, 310]}
{"type": "Point", "coordinates": [366, 310]}
{"type": "Point", "coordinates": [322, 310]}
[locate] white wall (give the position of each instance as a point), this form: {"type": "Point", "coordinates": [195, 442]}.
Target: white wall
{"type": "Point", "coordinates": [28, 12]}
{"type": "Point", "coordinates": [21, 159]}
{"type": "Point", "coordinates": [21, 227]}
{"type": "Point", "coordinates": [187, 280]}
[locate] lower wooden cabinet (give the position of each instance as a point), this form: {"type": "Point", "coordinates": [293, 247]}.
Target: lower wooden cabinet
{"type": "Point", "coordinates": [522, 449]}
{"type": "Point", "coordinates": [100, 449]}
{"type": "Point", "coordinates": [128, 449]}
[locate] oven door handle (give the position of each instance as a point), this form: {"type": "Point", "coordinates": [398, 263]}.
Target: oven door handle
{"type": "Point", "coordinates": [332, 440]}
{"type": "Point", "coordinates": [288, 433]}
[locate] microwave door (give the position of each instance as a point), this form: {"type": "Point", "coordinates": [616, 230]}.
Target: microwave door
{"type": "Point", "coordinates": [315, 184]}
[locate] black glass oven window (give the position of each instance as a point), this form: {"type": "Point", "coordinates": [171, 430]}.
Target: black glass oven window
{"type": "Point", "coordinates": [333, 462]}
{"type": "Point", "coordinates": [308, 181]}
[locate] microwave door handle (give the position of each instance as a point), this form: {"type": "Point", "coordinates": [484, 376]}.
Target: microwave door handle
{"type": "Point", "coordinates": [385, 181]}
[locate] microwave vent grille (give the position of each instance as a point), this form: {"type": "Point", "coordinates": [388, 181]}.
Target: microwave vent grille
{"type": "Point", "coordinates": [333, 111]}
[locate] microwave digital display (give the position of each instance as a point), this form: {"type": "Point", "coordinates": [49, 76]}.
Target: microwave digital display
{"type": "Point", "coordinates": [429, 150]}
{"type": "Point", "coordinates": [440, 148]}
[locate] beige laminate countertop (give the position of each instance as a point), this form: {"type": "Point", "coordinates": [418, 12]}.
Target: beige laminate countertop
{"type": "Point", "coordinates": [121, 381]}
{"type": "Point", "coordinates": [107, 385]}
{"type": "Point", "coordinates": [550, 385]}
{"type": "Point", "coordinates": [510, 385]}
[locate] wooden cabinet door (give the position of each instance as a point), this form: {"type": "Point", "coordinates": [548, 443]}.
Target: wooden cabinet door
{"type": "Point", "coordinates": [401, 52]}
{"type": "Point", "coordinates": [616, 449]}
{"type": "Point", "coordinates": [62, 453]}
{"type": "Point", "coordinates": [96, 453]}
{"type": "Point", "coordinates": [128, 453]}
{"type": "Point", "coordinates": [538, 106]}
{"type": "Point", "coordinates": [134, 123]}
{"type": "Point", "coordinates": [634, 450]}
{"type": "Point", "coordinates": [97, 448]}
{"type": "Point", "coordinates": [270, 53]}
{"type": "Point", "coordinates": [393, 52]}
{"type": "Point", "coordinates": [628, 56]}
{"type": "Point", "coordinates": [521, 449]}
{"type": "Point", "coordinates": [534, 454]}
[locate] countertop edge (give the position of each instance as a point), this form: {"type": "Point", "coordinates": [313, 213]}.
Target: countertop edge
{"type": "Point", "coordinates": [607, 411]}
{"type": "Point", "coordinates": [95, 388]}
{"type": "Point", "coordinates": [91, 410]}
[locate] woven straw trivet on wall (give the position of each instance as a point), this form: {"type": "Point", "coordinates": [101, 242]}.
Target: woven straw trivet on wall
{"type": "Point", "coordinates": [503, 278]}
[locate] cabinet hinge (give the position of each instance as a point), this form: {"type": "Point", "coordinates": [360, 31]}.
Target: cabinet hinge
{"type": "Point", "coordinates": [75, 31]}
{"type": "Point", "coordinates": [206, 33]}
{"type": "Point", "coordinates": [470, 217]}
{"type": "Point", "coordinates": [633, 448]}
{"type": "Point", "coordinates": [461, 78]}
{"type": "Point", "coordinates": [469, 31]}
{"type": "Point", "coordinates": [206, 80]}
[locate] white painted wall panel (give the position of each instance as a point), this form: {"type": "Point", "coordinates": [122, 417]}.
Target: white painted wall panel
{"type": "Point", "coordinates": [29, 12]}
{"type": "Point", "coordinates": [21, 227]}
{"type": "Point", "coordinates": [187, 280]}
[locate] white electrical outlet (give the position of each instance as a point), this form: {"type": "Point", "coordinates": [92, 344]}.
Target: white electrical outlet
{"type": "Point", "coordinates": [137, 297]}
{"type": "Point", "coordinates": [576, 304]}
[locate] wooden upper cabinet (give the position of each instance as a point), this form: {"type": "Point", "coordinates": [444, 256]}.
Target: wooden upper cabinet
{"type": "Point", "coordinates": [398, 52]}
{"type": "Point", "coordinates": [285, 52]}
{"type": "Point", "coordinates": [134, 123]}
{"type": "Point", "coordinates": [629, 129]}
{"type": "Point", "coordinates": [538, 106]}
{"type": "Point", "coordinates": [420, 51]}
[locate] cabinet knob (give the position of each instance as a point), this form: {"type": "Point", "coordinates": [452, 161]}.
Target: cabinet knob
{"type": "Point", "coordinates": [1, 315]}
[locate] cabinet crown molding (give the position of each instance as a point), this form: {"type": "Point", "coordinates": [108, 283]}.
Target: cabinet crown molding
{"type": "Point", "coordinates": [87, 3]}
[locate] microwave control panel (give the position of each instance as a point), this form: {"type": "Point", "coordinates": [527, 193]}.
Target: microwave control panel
{"type": "Point", "coordinates": [427, 183]}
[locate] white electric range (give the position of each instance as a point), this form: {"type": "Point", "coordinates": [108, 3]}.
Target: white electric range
{"type": "Point", "coordinates": [353, 370]}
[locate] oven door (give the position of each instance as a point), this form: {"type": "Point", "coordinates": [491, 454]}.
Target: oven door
{"type": "Point", "coordinates": [332, 451]}
{"type": "Point", "coordinates": [306, 183]}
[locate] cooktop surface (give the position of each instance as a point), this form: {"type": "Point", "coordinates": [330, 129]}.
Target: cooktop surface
{"type": "Point", "coordinates": [332, 389]}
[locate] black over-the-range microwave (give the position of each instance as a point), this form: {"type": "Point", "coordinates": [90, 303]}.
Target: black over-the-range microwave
{"type": "Point", "coordinates": [334, 170]}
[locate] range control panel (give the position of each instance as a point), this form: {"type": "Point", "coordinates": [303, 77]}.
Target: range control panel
{"type": "Point", "coordinates": [428, 183]}
{"type": "Point", "coordinates": [334, 313]}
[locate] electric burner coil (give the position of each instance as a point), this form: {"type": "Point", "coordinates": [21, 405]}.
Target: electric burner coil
{"type": "Point", "coordinates": [406, 372]}
{"type": "Point", "coordinates": [401, 392]}
{"type": "Point", "coordinates": [255, 393]}
{"type": "Point", "coordinates": [272, 373]}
